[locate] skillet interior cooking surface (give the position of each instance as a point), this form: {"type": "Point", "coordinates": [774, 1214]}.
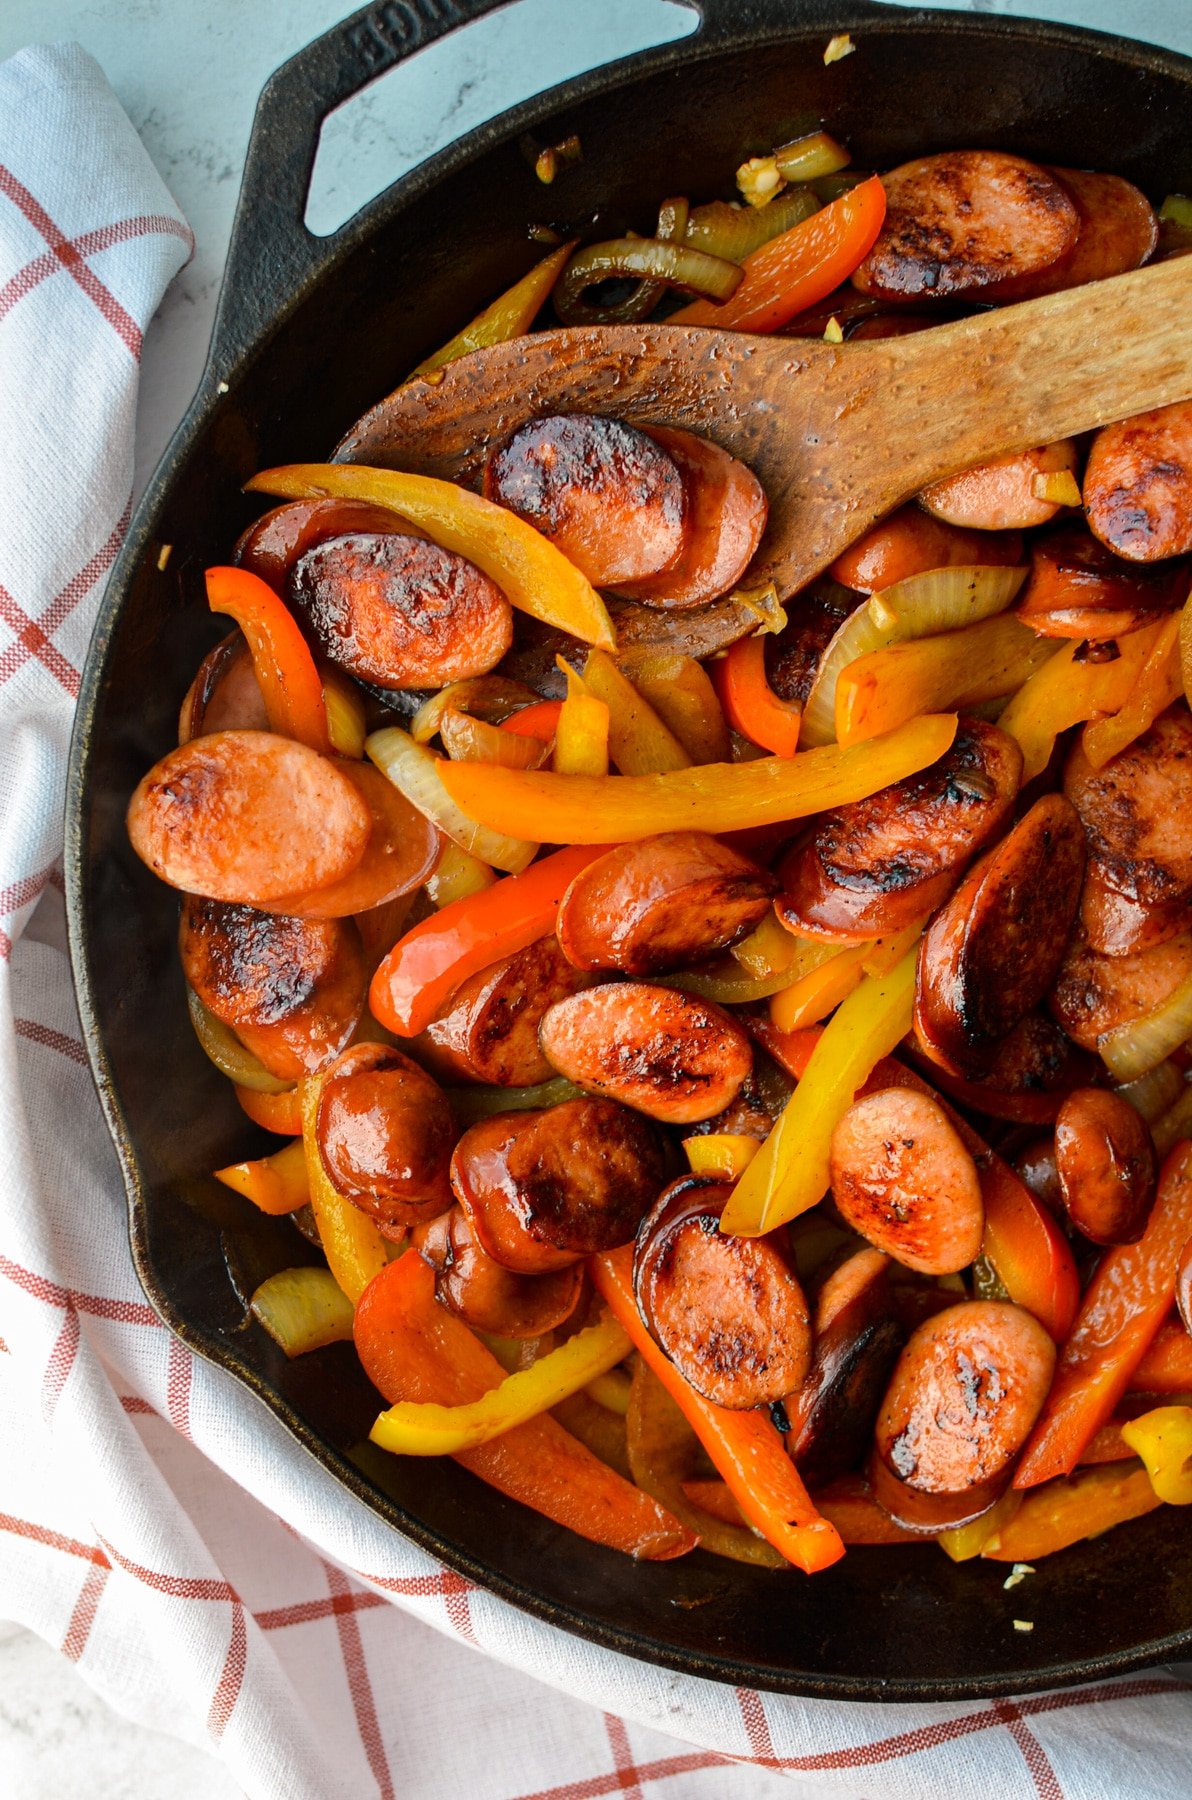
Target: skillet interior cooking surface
{"type": "Point", "coordinates": [310, 333]}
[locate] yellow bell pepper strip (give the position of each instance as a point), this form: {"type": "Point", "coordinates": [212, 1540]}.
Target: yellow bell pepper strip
{"type": "Point", "coordinates": [417, 772]}
{"type": "Point", "coordinates": [421, 1428]}
{"type": "Point", "coordinates": [456, 875]}
{"type": "Point", "coordinates": [344, 701]}
{"type": "Point", "coordinates": [582, 732]}
{"type": "Point", "coordinates": [1065, 1511]}
{"type": "Point", "coordinates": [283, 665]}
{"type": "Point", "coordinates": [963, 1542]}
{"type": "Point", "coordinates": [534, 576]}
{"type": "Point", "coordinates": [1159, 683]}
{"type": "Point", "coordinates": [1163, 1439]}
{"type": "Point", "coordinates": [790, 1173]}
{"type": "Point", "coordinates": [510, 315]}
{"type": "Point", "coordinates": [582, 809]}
{"type": "Point", "coordinates": [611, 1390]}
{"type": "Point", "coordinates": [433, 957]}
{"type": "Point", "coordinates": [770, 949]}
{"type": "Point", "coordinates": [354, 1248]}
{"type": "Point", "coordinates": [725, 1155]}
{"type": "Point", "coordinates": [276, 1184]}
{"type": "Point", "coordinates": [638, 741]}
{"type": "Point", "coordinates": [303, 1309]}
{"type": "Point", "coordinates": [800, 266]}
{"type": "Point", "coordinates": [744, 1446]}
{"type": "Point", "coordinates": [414, 1349]}
{"type": "Point", "coordinates": [819, 990]}
{"type": "Point", "coordinates": [681, 692]}
{"type": "Point", "coordinates": [1067, 691]}
{"type": "Point", "coordinates": [958, 669]}
{"type": "Point", "coordinates": [750, 704]}
{"type": "Point", "coordinates": [1122, 1309]}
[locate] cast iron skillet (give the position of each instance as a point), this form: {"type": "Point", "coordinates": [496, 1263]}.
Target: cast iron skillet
{"type": "Point", "coordinates": [310, 333]}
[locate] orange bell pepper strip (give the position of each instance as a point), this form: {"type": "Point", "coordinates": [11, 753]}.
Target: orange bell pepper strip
{"type": "Point", "coordinates": [533, 575]}
{"type": "Point", "coordinates": [714, 797]}
{"type": "Point", "coordinates": [428, 963]}
{"type": "Point", "coordinates": [414, 1349]}
{"type": "Point", "coordinates": [638, 741]}
{"type": "Point", "coordinates": [277, 1183]}
{"type": "Point", "coordinates": [273, 1112]}
{"type": "Point", "coordinates": [960, 669]}
{"type": "Point", "coordinates": [799, 266]}
{"type": "Point", "coordinates": [1066, 692]}
{"type": "Point", "coordinates": [1064, 1512]}
{"type": "Point", "coordinates": [1123, 1307]}
{"type": "Point", "coordinates": [682, 693]}
{"type": "Point", "coordinates": [1166, 1368]}
{"type": "Point", "coordinates": [750, 704]}
{"type": "Point", "coordinates": [744, 1446]}
{"type": "Point", "coordinates": [283, 665]}
{"type": "Point", "coordinates": [846, 1503]}
{"type": "Point", "coordinates": [582, 733]}
{"type": "Point", "coordinates": [1025, 1246]}
{"type": "Point", "coordinates": [1158, 684]}
{"type": "Point", "coordinates": [541, 720]}
{"type": "Point", "coordinates": [510, 315]}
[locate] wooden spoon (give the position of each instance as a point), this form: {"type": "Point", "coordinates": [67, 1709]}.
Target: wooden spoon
{"type": "Point", "coordinates": [839, 434]}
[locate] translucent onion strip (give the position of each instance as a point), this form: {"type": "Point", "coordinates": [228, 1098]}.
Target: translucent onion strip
{"type": "Point", "coordinates": [414, 771]}
{"type": "Point", "coordinates": [490, 697]}
{"type": "Point", "coordinates": [726, 229]}
{"type": "Point", "coordinates": [1152, 1094]}
{"type": "Point", "coordinates": [1176, 1123]}
{"type": "Point", "coordinates": [222, 1047]}
{"type": "Point", "coordinates": [1134, 1049]}
{"type": "Point", "coordinates": [645, 259]}
{"type": "Point", "coordinates": [303, 1309]}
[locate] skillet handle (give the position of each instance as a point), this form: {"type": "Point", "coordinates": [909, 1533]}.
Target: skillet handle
{"type": "Point", "coordinates": [729, 22]}
{"type": "Point", "coordinates": [271, 251]}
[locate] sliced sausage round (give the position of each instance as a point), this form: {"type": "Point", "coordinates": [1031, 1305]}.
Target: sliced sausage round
{"type": "Point", "coordinates": [910, 542]}
{"type": "Point", "coordinates": [860, 1281]}
{"type": "Point", "coordinates": [967, 1390]}
{"type": "Point", "coordinates": [543, 1189]}
{"type": "Point", "coordinates": [726, 518]}
{"type": "Point", "coordinates": [656, 1049]}
{"type": "Point", "coordinates": [402, 850]}
{"type": "Point", "coordinates": [246, 816]}
{"type": "Point", "coordinates": [1033, 1068]}
{"type": "Point", "coordinates": [1138, 484]}
{"type": "Point", "coordinates": [610, 497]}
{"type": "Point", "coordinates": [661, 903]}
{"type": "Point", "coordinates": [1000, 495]}
{"type": "Point", "coordinates": [1137, 811]}
{"type": "Point", "coordinates": [1106, 1164]}
{"type": "Point", "coordinates": [728, 1311]}
{"type": "Point", "coordinates": [857, 1339]}
{"type": "Point", "coordinates": [878, 865]}
{"type": "Point", "coordinates": [291, 989]}
{"type": "Point", "coordinates": [1079, 589]}
{"type": "Point", "coordinates": [491, 1298]}
{"type": "Point", "coordinates": [385, 1133]}
{"type": "Point", "coordinates": [1094, 994]}
{"type": "Point", "coordinates": [992, 952]}
{"type": "Point", "coordinates": [959, 222]}
{"type": "Point", "coordinates": [793, 655]}
{"type": "Point", "coordinates": [224, 695]}
{"type": "Point", "coordinates": [272, 544]}
{"type": "Point", "coordinates": [488, 1030]}
{"type": "Point", "coordinates": [1035, 1166]}
{"type": "Point", "coordinates": [401, 612]}
{"type": "Point", "coordinates": [1118, 232]}
{"type": "Point", "coordinates": [1116, 925]}
{"type": "Point", "coordinates": [902, 1177]}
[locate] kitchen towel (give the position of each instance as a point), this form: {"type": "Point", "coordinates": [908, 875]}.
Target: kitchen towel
{"type": "Point", "coordinates": [157, 1524]}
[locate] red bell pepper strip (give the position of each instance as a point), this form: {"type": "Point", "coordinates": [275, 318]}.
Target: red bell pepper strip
{"type": "Point", "coordinates": [1022, 1241]}
{"type": "Point", "coordinates": [799, 266]}
{"type": "Point", "coordinates": [283, 665]}
{"type": "Point", "coordinates": [414, 1349]}
{"type": "Point", "coordinates": [429, 962]}
{"type": "Point", "coordinates": [744, 1446]}
{"type": "Point", "coordinates": [750, 704]}
{"type": "Point", "coordinates": [541, 720]}
{"type": "Point", "coordinates": [1167, 1366]}
{"type": "Point", "coordinates": [1123, 1307]}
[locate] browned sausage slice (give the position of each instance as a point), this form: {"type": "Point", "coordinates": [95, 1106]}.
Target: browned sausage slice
{"type": "Point", "coordinates": [1000, 495]}
{"type": "Point", "coordinates": [402, 850]}
{"type": "Point", "coordinates": [881, 864]}
{"type": "Point", "coordinates": [400, 611]}
{"type": "Point", "coordinates": [1118, 232]}
{"type": "Point", "coordinates": [726, 517]}
{"type": "Point", "coordinates": [1117, 926]}
{"type": "Point", "coordinates": [902, 1177]}
{"type": "Point", "coordinates": [910, 542]}
{"type": "Point", "coordinates": [1138, 484]}
{"type": "Point", "coordinates": [1094, 994]}
{"type": "Point", "coordinates": [544, 1188]}
{"type": "Point", "coordinates": [1137, 811]}
{"type": "Point", "coordinates": [1106, 1165]}
{"type": "Point", "coordinates": [291, 989]}
{"type": "Point", "coordinates": [661, 903]}
{"type": "Point", "coordinates": [224, 695]}
{"type": "Point", "coordinates": [246, 816]}
{"type": "Point", "coordinates": [1035, 1165]}
{"type": "Point", "coordinates": [273, 543]}
{"type": "Point", "coordinates": [857, 1340]}
{"type": "Point", "coordinates": [608, 496]}
{"type": "Point", "coordinates": [860, 1278]}
{"type": "Point", "coordinates": [491, 1298]}
{"type": "Point", "coordinates": [659, 1050]}
{"type": "Point", "coordinates": [727, 1311]}
{"type": "Point", "coordinates": [1034, 1067]}
{"type": "Point", "coordinates": [488, 1031]}
{"type": "Point", "coordinates": [967, 1390]}
{"type": "Point", "coordinates": [959, 222]}
{"type": "Point", "coordinates": [1077, 588]}
{"type": "Point", "coordinates": [795, 653]}
{"type": "Point", "coordinates": [385, 1133]}
{"type": "Point", "coordinates": [992, 952]}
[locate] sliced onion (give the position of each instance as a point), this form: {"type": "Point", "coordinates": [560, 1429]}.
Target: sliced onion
{"type": "Point", "coordinates": [466, 739]}
{"type": "Point", "coordinates": [222, 1047]}
{"type": "Point", "coordinates": [922, 605]}
{"type": "Point", "coordinates": [1152, 1094]}
{"type": "Point", "coordinates": [414, 771]}
{"type": "Point", "coordinates": [1134, 1049]}
{"type": "Point", "coordinates": [470, 1104]}
{"type": "Point", "coordinates": [456, 875]}
{"type": "Point", "coordinates": [345, 712]}
{"type": "Point", "coordinates": [303, 1309]}
{"type": "Point", "coordinates": [762, 600]}
{"type": "Point", "coordinates": [1176, 1123]}
{"type": "Point", "coordinates": [725, 229]}
{"type": "Point", "coordinates": [491, 697]}
{"type": "Point", "coordinates": [810, 158]}
{"type": "Point", "coordinates": [645, 259]}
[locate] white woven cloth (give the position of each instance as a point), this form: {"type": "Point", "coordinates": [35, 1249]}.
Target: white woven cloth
{"type": "Point", "coordinates": [157, 1525]}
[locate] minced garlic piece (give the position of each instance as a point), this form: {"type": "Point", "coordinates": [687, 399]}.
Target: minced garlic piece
{"type": "Point", "coordinates": [1018, 1573]}
{"type": "Point", "coordinates": [759, 180]}
{"type": "Point", "coordinates": [839, 47]}
{"type": "Point", "coordinates": [832, 332]}
{"type": "Point", "coordinates": [1024, 1624]}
